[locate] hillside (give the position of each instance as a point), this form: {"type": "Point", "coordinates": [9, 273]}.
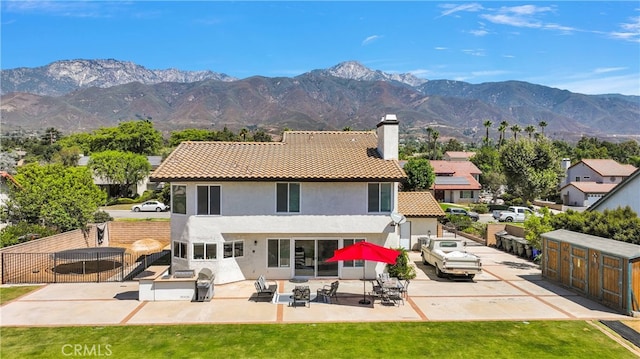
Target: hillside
{"type": "Point", "coordinates": [82, 95]}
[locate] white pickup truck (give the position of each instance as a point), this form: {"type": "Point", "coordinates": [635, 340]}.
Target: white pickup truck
{"type": "Point", "coordinates": [513, 214]}
{"type": "Point", "coordinates": [450, 258]}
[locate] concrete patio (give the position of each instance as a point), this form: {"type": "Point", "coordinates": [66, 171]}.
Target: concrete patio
{"type": "Point", "coordinates": [509, 288]}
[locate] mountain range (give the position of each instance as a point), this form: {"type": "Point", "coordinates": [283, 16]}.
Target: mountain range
{"type": "Point", "coordinates": [82, 95]}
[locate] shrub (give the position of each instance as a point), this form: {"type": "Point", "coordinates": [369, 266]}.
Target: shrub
{"type": "Point", "coordinates": [402, 269]}
{"type": "Point", "coordinates": [480, 208]}
{"type": "Point", "coordinates": [101, 217]}
{"type": "Point", "coordinates": [23, 232]}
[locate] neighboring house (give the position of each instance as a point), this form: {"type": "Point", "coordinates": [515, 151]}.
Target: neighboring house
{"type": "Point", "coordinates": [456, 181]}
{"type": "Point", "coordinates": [280, 209]}
{"type": "Point", "coordinates": [458, 155]}
{"type": "Point", "coordinates": [584, 194]}
{"type": "Point", "coordinates": [626, 193]}
{"type": "Point", "coordinates": [138, 188]}
{"type": "Point", "coordinates": [590, 179]}
{"type": "Point", "coordinates": [422, 212]}
{"type": "Point", "coordinates": [598, 170]}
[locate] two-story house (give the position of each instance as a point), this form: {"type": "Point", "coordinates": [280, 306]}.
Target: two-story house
{"type": "Point", "coordinates": [590, 179]}
{"type": "Point", "coordinates": [281, 209]}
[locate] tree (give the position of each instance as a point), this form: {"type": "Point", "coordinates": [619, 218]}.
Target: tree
{"type": "Point", "coordinates": [530, 129]}
{"type": "Point", "coordinates": [434, 135]}
{"type": "Point", "coordinates": [531, 168]}
{"type": "Point", "coordinates": [420, 174]}
{"type": "Point", "coordinates": [69, 156]}
{"type": "Point", "coordinates": [55, 196]}
{"type": "Point", "coordinates": [515, 129]}
{"type": "Point", "coordinates": [190, 134]}
{"type": "Point", "coordinates": [261, 136]}
{"type": "Point", "coordinates": [542, 125]}
{"type": "Point", "coordinates": [122, 169]}
{"type": "Point", "coordinates": [487, 124]}
{"type": "Point", "coordinates": [133, 136]}
{"type": "Point", "coordinates": [535, 226]}
{"type": "Point", "coordinates": [502, 129]}
{"type": "Point", "coordinates": [453, 145]}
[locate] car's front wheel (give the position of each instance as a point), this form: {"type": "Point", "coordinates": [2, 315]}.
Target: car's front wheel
{"type": "Point", "coordinates": [137, 209]}
{"type": "Point", "coordinates": [158, 209]}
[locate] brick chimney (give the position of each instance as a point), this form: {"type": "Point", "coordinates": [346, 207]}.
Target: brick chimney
{"type": "Point", "coordinates": [388, 137]}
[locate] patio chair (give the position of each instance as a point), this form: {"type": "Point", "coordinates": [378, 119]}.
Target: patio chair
{"type": "Point", "coordinates": [301, 295]}
{"type": "Point", "coordinates": [405, 288]}
{"type": "Point", "coordinates": [264, 289]}
{"type": "Point", "coordinates": [327, 292]}
{"type": "Point", "coordinates": [394, 296]}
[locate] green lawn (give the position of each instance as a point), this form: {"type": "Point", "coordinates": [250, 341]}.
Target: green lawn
{"type": "Point", "coordinates": [537, 339]}
{"type": "Point", "coordinates": [11, 293]}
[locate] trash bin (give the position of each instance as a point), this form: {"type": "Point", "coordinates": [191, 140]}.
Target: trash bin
{"type": "Point", "coordinates": [204, 285]}
{"type": "Point", "coordinates": [499, 235]}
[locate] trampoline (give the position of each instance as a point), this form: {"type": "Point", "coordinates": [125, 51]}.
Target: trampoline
{"type": "Point", "coordinates": [84, 261]}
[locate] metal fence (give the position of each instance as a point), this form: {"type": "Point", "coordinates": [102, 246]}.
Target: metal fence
{"type": "Point", "coordinates": [54, 268]}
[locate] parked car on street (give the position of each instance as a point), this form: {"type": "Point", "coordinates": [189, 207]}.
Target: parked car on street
{"type": "Point", "coordinates": [150, 206]}
{"type": "Point", "coordinates": [514, 214]}
{"type": "Point", "coordinates": [462, 212]}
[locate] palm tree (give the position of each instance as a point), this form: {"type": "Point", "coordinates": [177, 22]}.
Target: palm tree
{"type": "Point", "coordinates": [542, 125]}
{"type": "Point", "coordinates": [502, 129]}
{"type": "Point", "coordinates": [487, 124]}
{"type": "Point", "coordinates": [243, 133]}
{"type": "Point", "coordinates": [515, 129]}
{"type": "Point", "coordinates": [530, 130]}
{"type": "Point", "coordinates": [429, 134]}
{"type": "Point", "coordinates": [435, 134]}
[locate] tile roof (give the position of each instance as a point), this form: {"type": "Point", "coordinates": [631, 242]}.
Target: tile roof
{"type": "Point", "coordinates": [460, 168]}
{"type": "Point", "coordinates": [459, 154]}
{"type": "Point", "coordinates": [592, 187]}
{"type": "Point", "coordinates": [465, 182]}
{"type": "Point", "coordinates": [419, 204]}
{"type": "Point", "coordinates": [302, 155]}
{"type": "Point", "coordinates": [607, 167]}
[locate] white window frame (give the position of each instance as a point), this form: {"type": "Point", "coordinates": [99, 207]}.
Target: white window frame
{"type": "Point", "coordinates": [208, 186]}
{"type": "Point", "coordinates": [233, 249]}
{"type": "Point", "coordinates": [181, 249]}
{"type": "Point", "coordinates": [288, 210]}
{"type": "Point", "coordinates": [174, 207]}
{"type": "Point", "coordinates": [379, 203]}
{"type": "Point", "coordinates": [281, 255]}
{"type": "Point", "coordinates": [204, 251]}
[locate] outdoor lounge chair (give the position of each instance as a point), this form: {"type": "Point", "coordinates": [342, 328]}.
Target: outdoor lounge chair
{"type": "Point", "coordinates": [327, 292]}
{"type": "Point", "coordinates": [301, 295]}
{"type": "Point", "coordinates": [264, 289]}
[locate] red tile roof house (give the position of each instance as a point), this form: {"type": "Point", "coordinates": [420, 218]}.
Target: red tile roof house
{"type": "Point", "coordinates": [590, 179]}
{"type": "Point", "coordinates": [456, 181]}
{"type": "Point", "coordinates": [245, 209]}
{"type": "Point", "coordinates": [458, 155]}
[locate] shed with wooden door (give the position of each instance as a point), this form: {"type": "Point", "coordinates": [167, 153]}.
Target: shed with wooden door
{"type": "Point", "coordinates": [602, 269]}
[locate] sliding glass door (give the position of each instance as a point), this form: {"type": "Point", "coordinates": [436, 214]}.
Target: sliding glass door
{"type": "Point", "coordinates": [309, 257]}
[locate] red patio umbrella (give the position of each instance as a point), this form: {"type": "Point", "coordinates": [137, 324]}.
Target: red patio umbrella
{"type": "Point", "coordinates": [365, 251]}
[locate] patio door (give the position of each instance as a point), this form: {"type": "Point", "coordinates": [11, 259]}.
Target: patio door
{"type": "Point", "coordinates": [310, 255]}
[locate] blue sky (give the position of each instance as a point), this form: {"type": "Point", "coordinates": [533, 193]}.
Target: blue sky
{"type": "Point", "coordinates": [590, 47]}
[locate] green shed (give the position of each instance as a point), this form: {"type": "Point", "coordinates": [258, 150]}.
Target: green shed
{"type": "Point", "coordinates": [602, 269]}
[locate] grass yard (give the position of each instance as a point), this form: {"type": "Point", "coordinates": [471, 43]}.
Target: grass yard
{"type": "Point", "coordinates": [11, 293]}
{"type": "Point", "coordinates": [543, 339]}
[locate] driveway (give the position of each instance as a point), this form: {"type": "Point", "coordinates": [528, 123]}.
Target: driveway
{"type": "Point", "coordinates": [509, 288]}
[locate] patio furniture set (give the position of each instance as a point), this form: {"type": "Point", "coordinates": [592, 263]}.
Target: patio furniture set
{"type": "Point", "coordinates": [389, 290]}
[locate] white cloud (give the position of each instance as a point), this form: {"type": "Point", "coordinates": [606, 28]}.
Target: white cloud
{"type": "Point", "coordinates": [475, 52]}
{"type": "Point", "coordinates": [603, 70]}
{"type": "Point", "coordinates": [624, 84]}
{"type": "Point", "coordinates": [454, 8]}
{"type": "Point", "coordinates": [440, 48]}
{"type": "Point", "coordinates": [79, 9]}
{"type": "Point", "coordinates": [370, 39]}
{"type": "Point", "coordinates": [630, 31]}
{"type": "Point", "coordinates": [479, 33]}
